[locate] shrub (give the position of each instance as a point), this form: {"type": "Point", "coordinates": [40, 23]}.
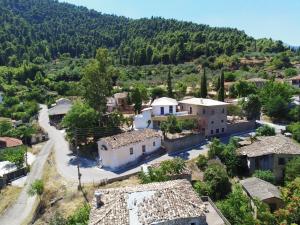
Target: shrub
{"type": "Point", "coordinates": [14, 155]}
{"type": "Point", "coordinates": [216, 177]}
{"type": "Point", "coordinates": [294, 128]}
{"type": "Point", "coordinates": [36, 188]}
{"type": "Point", "coordinates": [265, 130]}
{"type": "Point", "coordinates": [265, 175]}
{"type": "Point", "coordinates": [203, 188]}
{"type": "Point", "coordinates": [188, 124]}
{"type": "Point", "coordinates": [81, 216]}
{"type": "Point", "coordinates": [202, 162]}
{"type": "Point", "coordinates": [292, 169]}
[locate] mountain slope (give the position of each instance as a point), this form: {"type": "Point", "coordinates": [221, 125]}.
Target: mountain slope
{"type": "Point", "coordinates": [42, 29]}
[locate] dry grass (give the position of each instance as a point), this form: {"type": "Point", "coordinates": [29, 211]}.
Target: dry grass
{"type": "Point", "coordinates": [57, 187]}
{"type": "Point", "coordinates": [8, 196]}
{"type": "Point", "coordinates": [35, 149]}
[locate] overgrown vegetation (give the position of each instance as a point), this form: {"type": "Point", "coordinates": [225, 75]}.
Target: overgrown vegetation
{"type": "Point", "coordinates": [265, 130]}
{"type": "Point", "coordinates": [265, 175]}
{"type": "Point", "coordinates": [14, 155]}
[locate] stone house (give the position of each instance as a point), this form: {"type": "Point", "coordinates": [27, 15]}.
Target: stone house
{"type": "Point", "coordinates": [259, 82]}
{"type": "Point", "coordinates": [295, 81]}
{"type": "Point", "coordinates": [263, 191]}
{"type": "Point", "coordinates": [211, 114]}
{"type": "Point", "coordinates": [127, 148]}
{"type": "Point", "coordinates": [270, 153]}
{"type": "Point", "coordinates": [165, 203]}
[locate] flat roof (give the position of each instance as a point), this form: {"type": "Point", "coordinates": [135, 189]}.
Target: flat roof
{"type": "Point", "coordinates": [202, 102]}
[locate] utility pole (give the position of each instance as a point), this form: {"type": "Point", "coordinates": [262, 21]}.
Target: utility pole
{"type": "Point", "coordinates": [78, 162]}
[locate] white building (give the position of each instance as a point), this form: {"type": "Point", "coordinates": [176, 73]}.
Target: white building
{"type": "Point", "coordinates": [143, 120]}
{"type": "Point", "coordinates": [164, 106]}
{"type": "Point", "coordinates": [127, 148]}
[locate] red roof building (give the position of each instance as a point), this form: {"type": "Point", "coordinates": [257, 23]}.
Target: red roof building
{"type": "Point", "coordinates": [8, 142]}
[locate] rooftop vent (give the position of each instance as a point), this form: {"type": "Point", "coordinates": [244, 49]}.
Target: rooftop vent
{"type": "Point", "coordinates": [98, 196]}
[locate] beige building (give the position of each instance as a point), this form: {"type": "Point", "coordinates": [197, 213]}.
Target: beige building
{"type": "Point", "coordinates": [263, 191]}
{"type": "Point", "coordinates": [270, 153]}
{"type": "Point", "coordinates": [211, 114]}
{"type": "Point", "coordinates": [127, 148]}
{"type": "Point", "coordinates": [165, 203]}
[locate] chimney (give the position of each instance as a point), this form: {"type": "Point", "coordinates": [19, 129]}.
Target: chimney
{"type": "Point", "coordinates": [98, 196]}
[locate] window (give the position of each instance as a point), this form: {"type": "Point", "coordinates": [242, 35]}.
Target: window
{"type": "Point", "coordinates": [191, 110]}
{"type": "Point", "coordinates": [171, 109]}
{"type": "Point", "coordinates": [144, 148]}
{"type": "Point", "coordinates": [212, 122]}
{"type": "Point", "coordinates": [281, 161]}
{"type": "Point", "coordinates": [223, 130]}
{"type": "Point", "coordinates": [203, 111]}
{"type": "Point", "coordinates": [162, 111]}
{"type": "Point", "coordinates": [154, 144]}
{"type": "Point", "coordinates": [193, 223]}
{"type": "Point", "coordinates": [217, 131]}
{"type": "Point", "coordinates": [131, 151]}
{"type": "Point", "coordinates": [223, 110]}
{"type": "Point", "coordinates": [222, 121]}
{"type": "Point", "coordinates": [211, 132]}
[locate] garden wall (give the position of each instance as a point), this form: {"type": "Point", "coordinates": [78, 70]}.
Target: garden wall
{"type": "Point", "coordinates": [241, 126]}
{"type": "Point", "coordinates": [183, 143]}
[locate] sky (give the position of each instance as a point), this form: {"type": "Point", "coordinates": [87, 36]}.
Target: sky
{"type": "Point", "coordinates": [276, 19]}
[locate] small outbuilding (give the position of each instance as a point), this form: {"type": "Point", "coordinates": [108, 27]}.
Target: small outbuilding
{"type": "Point", "coordinates": [127, 148]}
{"type": "Point", "coordinates": [59, 110]}
{"type": "Point", "coordinates": [9, 142]}
{"type": "Point", "coordinates": [263, 191]}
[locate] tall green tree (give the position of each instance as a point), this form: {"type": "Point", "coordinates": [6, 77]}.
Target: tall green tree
{"type": "Point", "coordinates": [221, 91]}
{"type": "Point", "coordinates": [203, 88]}
{"type": "Point", "coordinates": [137, 100]}
{"type": "Point", "coordinates": [97, 82]}
{"type": "Point", "coordinates": [169, 85]}
{"type": "Point", "coordinates": [251, 107]}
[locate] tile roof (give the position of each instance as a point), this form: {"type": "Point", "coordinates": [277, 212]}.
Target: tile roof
{"type": "Point", "coordinates": [270, 145]}
{"type": "Point", "coordinates": [147, 204]}
{"type": "Point", "coordinates": [260, 189]}
{"type": "Point", "coordinates": [130, 137]}
{"type": "Point", "coordinates": [164, 101]}
{"type": "Point", "coordinates": [11, 142]}
{"type": "Point", "coordinates": [202, 101]}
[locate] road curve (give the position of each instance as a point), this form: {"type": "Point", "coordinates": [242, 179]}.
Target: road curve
{"type": "Point", "coordinates": [22, 208]}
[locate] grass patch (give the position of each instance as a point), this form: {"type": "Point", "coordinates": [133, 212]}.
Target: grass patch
{"type": "Point", "coordinates": [8, 196]}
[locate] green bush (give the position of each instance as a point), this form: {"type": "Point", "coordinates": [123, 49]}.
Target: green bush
{"type": "Point", "coordinates": [188, 124]}
{"type": "Point", "coordinates": [202, 162]}
{"type": "Point", "coordinates": [203, 188]}
{"type": "Point", "coordinates": [294, 128]}
{"type": "Point", "coordinates": [265, 130]}
{"type": "Point", "coordinates": [14, 155]}
{"type": "Point", "coordinates": [265, 175]}
{"type": "Point", "coordinates": [292, 169]}
{"type": "Point", "coordinates": [81, 216]}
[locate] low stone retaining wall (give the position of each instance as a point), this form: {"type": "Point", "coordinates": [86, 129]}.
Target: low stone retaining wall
{"type": "Point", "coordinates": [179, 144]}
{"type": "Point", "coordinates": [240, 127]}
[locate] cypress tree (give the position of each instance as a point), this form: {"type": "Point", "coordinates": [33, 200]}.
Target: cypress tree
{"type": "Point", "coordinates": [169, 84]}
{"type": "Point", "coordinates": [203, 91]}
{"type": "Point", "coordinates": [221, 91]}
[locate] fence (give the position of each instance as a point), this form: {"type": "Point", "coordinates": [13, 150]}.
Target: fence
{"type": "Point", "coordinates": [7, 178]}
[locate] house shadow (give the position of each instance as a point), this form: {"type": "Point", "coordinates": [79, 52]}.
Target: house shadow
{"type": "Point", "coordinates": [83, 162]}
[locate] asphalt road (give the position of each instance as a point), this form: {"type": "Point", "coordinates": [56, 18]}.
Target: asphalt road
{"type": "Point", "coordinates": [22, 208]}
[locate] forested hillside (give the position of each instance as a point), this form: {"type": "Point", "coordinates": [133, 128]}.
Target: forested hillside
{"type": "Point", "coordinates": [40, 30]}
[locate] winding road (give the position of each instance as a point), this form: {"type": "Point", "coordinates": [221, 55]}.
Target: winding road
{"type": "Point", "coordinates": [22, 208]}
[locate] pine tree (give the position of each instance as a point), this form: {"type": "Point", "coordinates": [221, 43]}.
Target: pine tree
{"type": "Point", "coordinates": [170, 88]}
{"type": "Point", "coordinates": [137, 100]}
{"type": "Point", "coordinates": [203, 91]}
{"type": "Point", "coordinates": [221, 91]}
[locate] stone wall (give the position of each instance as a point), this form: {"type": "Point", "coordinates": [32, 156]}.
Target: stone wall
{"type": "Point", "coordinates": [242, 126]}
{"type": "Point", "coordinates": [183, 143]}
